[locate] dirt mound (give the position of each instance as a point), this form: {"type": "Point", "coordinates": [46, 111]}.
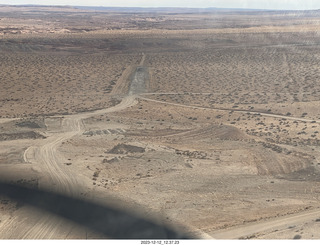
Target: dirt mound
{"type": "Point", "coordinates": [112, 160]}
{"type": "Point", "coordinates": [306, 174]}
{"type": "Point", "coordinates": [24, 135]}
{"type": "Point", "coordinates": [222, 132]}
{"type": "Point", "coordinates": [225, 132]}
{"type": "Point", "coordinates": [124, 149]}
{"type": "Point", "coordinates": [270, 162]}
{"type": "Point", "coordinates": [28, 124]}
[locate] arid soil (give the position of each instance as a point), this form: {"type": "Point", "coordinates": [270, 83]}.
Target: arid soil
{"type": "Point", "coordinates": [207, 122]}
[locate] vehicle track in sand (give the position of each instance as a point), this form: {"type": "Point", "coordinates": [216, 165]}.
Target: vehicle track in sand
{"type": "Point", "coordinates": [56, 176]}
{"type": "Point", "coordinates": [252, 229]}
{"type": "Point", "coordinates": [264, 226]}
{"type": "Point", "coordinates": [234, 110]}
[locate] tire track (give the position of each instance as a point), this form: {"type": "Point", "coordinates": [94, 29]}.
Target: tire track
{"type": "Point", "coordinates": [58, 177]}
{"type": "Point", "coordinates": [55, 176]}
{"type": "Point", "coordinates": [234, 110]}
{"type": "Point", "coordinates": [29, 223]}
{"type": "Point", "coordinates": [278, 223]}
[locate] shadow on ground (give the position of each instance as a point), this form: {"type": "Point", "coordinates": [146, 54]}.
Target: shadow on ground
{"type": "Point", "coordinates": [109, 221]}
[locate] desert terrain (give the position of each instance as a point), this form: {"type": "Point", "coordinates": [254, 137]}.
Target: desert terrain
{"type": "Point", "coordinates": [195, 124]}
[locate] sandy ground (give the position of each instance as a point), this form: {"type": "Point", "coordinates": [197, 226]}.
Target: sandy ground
{"type": "Point", "coordinates": [213, 131]}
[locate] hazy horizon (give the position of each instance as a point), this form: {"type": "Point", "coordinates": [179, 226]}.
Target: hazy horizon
{"type": "Point", "coordinates": [245, 4]}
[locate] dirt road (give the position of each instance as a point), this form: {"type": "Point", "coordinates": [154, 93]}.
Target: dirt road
{"type": "Point", "coordinates": [280, 223]}
{"type": "Point", "coordinates": [235, 110]}
{"type": "Point", "coordinates": [56, 175]}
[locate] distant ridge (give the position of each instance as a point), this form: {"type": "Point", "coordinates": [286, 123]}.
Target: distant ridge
{"type": "Point", "coordinates": [135, 9]}
{"type": "Point", "coordinates": [156, 9]}
{"type": "Point", "coordinates": [161, 9]}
